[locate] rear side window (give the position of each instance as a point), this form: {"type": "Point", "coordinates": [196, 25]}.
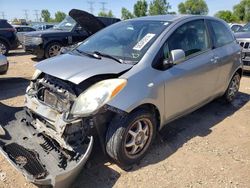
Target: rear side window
{"type": "Point", "coordinates": [221, 34]}
{"type": "Point", "coordinates": [26, 29]}
{"type": "Point", "coordinates": [236, 28]}
{"type": "Point", "coordinates": [4, 24]}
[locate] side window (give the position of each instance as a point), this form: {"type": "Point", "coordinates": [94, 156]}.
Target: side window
{"type": "Point", "coordinates": [25, 29]}
{"type": "Point", "coordinates": [222, 35]}
{"type": "Point", "coordinates": [191, 37]}
{"type": "Point", "coordinates": [18, 29]}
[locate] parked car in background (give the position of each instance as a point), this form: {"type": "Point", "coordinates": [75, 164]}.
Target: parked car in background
{"type": "Point", "coordinates": [4, 64]}
{"type": "Point", "coordinates": [41, 27]}
{"type": "Point", "coordinates": [235, 27]}
{"type": "Point", "coordinates": [119, 87]}
{"type": "Point", "coordinates": [243, 38]}
{"type": "Point", "coordinates": [8, 37]}
{"type": "Point", "coordinates": [21, 30]}
{"type": "Point", "coordinates": [74, 28]}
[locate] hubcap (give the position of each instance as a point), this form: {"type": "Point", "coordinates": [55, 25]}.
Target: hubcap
{"type": "Point", "coordinates": [138, 137]}
{"type": "Point", "coordinates": [234, 87]}
{"type": "Point", "coordinates": [2, 48]}
{"type": "Point", "coordinates": [54, 50]}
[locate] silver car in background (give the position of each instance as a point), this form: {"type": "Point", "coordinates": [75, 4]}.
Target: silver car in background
{"type": "Point", "coordinates": [119, 87]}
{"type": "Point", "coordinates": [4, 64]}
{"type": "Point", "coordinates": [22, 30]}
{"type": "Point", "coordinates": [243, 38]}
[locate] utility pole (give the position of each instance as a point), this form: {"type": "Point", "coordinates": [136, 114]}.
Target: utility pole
{"type": "Point", "coordinates": [36, 14]}
{"type": "Point", "coordinates": [3, 15]}
{"type": "Point", "coordinates": [91, 8]}
{"type": "Point", "coordinates": [26, 14]}
{"type": "Point", "coordinates": [103, 9]}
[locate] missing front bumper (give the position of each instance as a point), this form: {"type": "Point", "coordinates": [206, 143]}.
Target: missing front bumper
{"type": "Point", "coordinates": [38, 158]}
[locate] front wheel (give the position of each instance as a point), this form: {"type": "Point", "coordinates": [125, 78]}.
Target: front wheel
{"type": "Point", "coordinates": [4, 48]}
{"type": "Point", "coordinates": [233, 88]}
{"type": "Point", "coordinates": [129, 138]}
{"type": "Point", "coordinates": [53, 49]}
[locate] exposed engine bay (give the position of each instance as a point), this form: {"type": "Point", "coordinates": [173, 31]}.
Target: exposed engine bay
{"type": "Point", "coordinates": [47, 143]}
{"type": "Point", "coordinates": [48, 102]}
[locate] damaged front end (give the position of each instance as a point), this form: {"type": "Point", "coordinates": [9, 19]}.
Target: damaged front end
{"type": "Point", "coordinates": [50, 145]}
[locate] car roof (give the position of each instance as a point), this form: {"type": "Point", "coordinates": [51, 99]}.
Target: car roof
{"type": "Point", "coordinates": [171, 18]}
{"type": "Point", "coordinates": [21, 26]}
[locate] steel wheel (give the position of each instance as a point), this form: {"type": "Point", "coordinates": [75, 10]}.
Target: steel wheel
{"type": "Point", "coordinates": [3, 48]}
{"type": "Point", "coordinates": [138, 137]}
{"type": "Point", "coordinates": [233, 87]}
{"type": "Point", "coordinates": [54, 50]}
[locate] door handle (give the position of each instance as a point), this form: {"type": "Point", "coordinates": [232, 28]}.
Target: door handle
{"type": "Point", "coordinates": [214, 59]}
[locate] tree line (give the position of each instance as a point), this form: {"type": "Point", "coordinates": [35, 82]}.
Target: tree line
{"type": "Point", "coordinates": [240, 13]}
{"type": "Point", "coordinates": [46, 16]}
{"type": "Point", "coordinates": [160, 7]}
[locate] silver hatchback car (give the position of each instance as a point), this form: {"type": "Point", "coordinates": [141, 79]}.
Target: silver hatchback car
{"type": "Point", "coordinates": [119, 87]}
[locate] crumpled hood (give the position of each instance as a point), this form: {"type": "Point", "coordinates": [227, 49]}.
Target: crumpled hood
{"type": "Point", "coordinates": [76, 68]}
{"type": "Point", "coordinates": [242, 35]}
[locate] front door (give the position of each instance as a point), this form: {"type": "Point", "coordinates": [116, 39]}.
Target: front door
{"type": "Point", "coordinates": [191, 82]}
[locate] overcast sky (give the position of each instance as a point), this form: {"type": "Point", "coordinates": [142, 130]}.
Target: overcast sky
{"type": "Point", "coordinates": [15, 8]}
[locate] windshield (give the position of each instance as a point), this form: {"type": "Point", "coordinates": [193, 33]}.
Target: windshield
{"type": "Point", "coordinates": [67, 24]}
{"type": "Point", "coordinates": [127, 40]}
{"type": "Point", "coordinates": [246, 28]}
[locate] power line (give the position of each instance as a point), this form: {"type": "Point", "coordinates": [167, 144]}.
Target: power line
{"type": "Point", "coordinates": [37, 15]}
{"type": "Point", "coordinates": [103, 9]}
{"type": "Point", "coordinates": [91, 8]}
{"type": "Point", "coordinates": [26, 14]}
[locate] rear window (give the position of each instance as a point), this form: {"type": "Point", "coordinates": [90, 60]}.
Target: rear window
{"type": "Point", "coordinates": [221, 34]}
{"type": "Point", "coordinates": [5, 24]}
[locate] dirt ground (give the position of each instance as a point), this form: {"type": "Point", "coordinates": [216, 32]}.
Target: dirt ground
{"type": "Point", "coordinates": [208, 148]}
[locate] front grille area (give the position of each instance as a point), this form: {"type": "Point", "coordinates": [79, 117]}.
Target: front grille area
{"type": "Point", "coordinates": [27, 40]}
{"type": "Point", "coordinates": [26, 159]}
{"type": "Point", "coordinates": [245, 45]}
{"type": "Point", "coordinates": [246, 63]}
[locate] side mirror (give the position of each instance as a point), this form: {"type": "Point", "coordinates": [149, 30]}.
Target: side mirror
{"type": "Point", "coordinates": [177, 56]}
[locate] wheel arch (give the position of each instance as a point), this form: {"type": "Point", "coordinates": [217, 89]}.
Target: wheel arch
{"type": "Point", "coordinates": [52, 41]}
{"type": "Point", "coordinates": [152, 108]}
{"type": "Point", "coordinates": [5, 40]}
{"type": "Point", "coordinates": [240, 71]}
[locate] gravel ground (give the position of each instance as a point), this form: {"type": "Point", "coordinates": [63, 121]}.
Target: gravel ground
{"type": "Point", "coordinates": [208, 148]}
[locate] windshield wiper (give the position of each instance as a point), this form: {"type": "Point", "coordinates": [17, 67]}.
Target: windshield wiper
{"type": "Point", "coordinates": [108, 56]}
{"type": "Point", "coordinates": [96, 56]}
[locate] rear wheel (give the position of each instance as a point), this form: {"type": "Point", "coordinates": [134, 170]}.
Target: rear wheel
{"type": "Point", "coordinates": [129, 138]}
{"type": "Point", "coordinates": [233, 88]}
{"type": "Point", "coordinates": [4, 48]}
{"type": "Point", "coordinates": [52, 49]}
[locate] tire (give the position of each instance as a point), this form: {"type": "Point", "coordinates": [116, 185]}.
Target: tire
{"type": "Point", "coordinates": [52, 49]}
{"type": "Point", "coordinates": [119, 138]}
{"type": "Point", "coordinates": [232, 89]}
{"type": "Point", "coordinates": [4, 48]}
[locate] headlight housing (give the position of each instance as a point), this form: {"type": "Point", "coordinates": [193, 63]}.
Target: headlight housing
{"type": "Point", "coordinates": [96, 96]}
{"type": "Point", "coordinates": [36, 40]}
{"type": "Point", "coordinates": [36, 74]}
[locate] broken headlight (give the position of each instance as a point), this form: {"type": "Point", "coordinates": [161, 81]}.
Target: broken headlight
{"type": "Point", "coordinates": [96, 96]}
{"type": "Point", "coordinates": [36, 74]}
